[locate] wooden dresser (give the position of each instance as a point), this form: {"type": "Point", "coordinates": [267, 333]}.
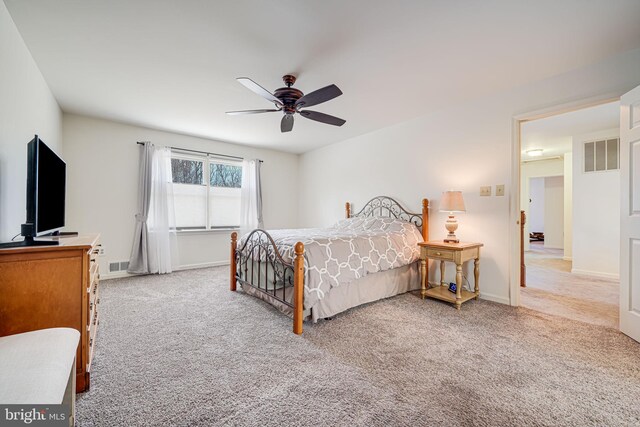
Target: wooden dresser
{"type": "Point", "coordinates": [53, 286]}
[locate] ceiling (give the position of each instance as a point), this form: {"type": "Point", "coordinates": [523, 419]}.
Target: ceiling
{"type": "Point", "coordinates": [554, 134]}
{"type": "Point", "coordinates": [172, 64]}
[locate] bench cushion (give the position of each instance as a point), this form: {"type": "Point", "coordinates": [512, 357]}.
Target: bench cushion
{"type": "Point", "coordinates": [35, 366]}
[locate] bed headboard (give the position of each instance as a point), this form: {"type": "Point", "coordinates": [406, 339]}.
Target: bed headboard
{"type": "Point", "coordinates": [387, 207]}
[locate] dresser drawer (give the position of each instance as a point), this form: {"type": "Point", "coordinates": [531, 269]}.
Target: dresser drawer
{"type": "Point", "coordinates": [440, 254]}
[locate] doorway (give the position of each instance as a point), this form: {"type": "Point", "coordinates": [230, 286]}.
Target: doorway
{"type": "Point", "coordinates": [569, 192]}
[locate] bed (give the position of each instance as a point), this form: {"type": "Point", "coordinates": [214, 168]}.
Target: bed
{"type": "Point", "coordinates": [317, 273]}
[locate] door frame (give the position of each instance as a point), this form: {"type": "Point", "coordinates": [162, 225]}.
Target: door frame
{"type": "Point", "coordinates": [514, 199]}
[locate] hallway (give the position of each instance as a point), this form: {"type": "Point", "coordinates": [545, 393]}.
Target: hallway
{"type": "Point", "coordinates": [552, 289]}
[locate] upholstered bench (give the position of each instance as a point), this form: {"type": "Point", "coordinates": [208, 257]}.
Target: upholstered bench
{"type": "Point", "coordinates": [38, 368]}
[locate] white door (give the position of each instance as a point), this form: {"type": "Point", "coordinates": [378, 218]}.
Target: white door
{"type": "Point", "coordinates": [630, 214]}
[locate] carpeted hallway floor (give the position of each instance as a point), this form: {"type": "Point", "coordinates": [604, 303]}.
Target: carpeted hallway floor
{"type": "Point", "coordinates": [553, 289]}
{"type": "Point", "coordinates": [182, 350]}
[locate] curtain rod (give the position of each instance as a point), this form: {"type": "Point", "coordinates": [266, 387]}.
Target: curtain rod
{"type": "Point", "coordinates": [203, 152]}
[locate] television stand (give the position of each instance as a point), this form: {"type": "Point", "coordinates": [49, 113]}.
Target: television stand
{"type": "Point", "coordinates": [28, 241]}
{"type": "Point", "coordinates": [51, 287]}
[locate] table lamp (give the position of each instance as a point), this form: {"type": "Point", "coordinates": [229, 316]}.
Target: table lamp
{"type": "Point", "coordinates": [452, 202]}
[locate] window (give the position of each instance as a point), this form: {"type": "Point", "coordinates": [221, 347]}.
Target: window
{"type": "Point", "coordinates": [206, 191]}
{"type": "Point", "coordinates": [601, 155]}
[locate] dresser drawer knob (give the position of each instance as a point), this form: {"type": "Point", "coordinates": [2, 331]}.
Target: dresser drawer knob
{"type": "Point", "coordinates": [438, 253]}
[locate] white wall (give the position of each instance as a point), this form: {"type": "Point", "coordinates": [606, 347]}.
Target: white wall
{"type": "Point", "coordinates": [568, 207]}
{"type": "Point", "coordinates": [554, 212]}
{"type": "Point", "coordinates": [459, 147]}
{"type": "Point", "coordinates": [536, 169]}
{"type": "Point", "coordinates": [596, 214]}
{"type": "Point", "coordinates": [27, 107]}
{"type": "Point", "coordinates": [535, 216]}
{"type": "Point", "coordinates": [102, 161]}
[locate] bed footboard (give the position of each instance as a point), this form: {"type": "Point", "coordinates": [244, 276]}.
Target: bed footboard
{"type": "Point", "coordinates": [259, 264]}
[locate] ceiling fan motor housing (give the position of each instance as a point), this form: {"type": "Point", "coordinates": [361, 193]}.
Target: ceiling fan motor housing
{"type": "Point", "coordinates": [288, 95]}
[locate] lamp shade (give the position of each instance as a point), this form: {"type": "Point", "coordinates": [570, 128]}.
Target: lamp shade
{"type": "Point", "coordinates": [452, 201]}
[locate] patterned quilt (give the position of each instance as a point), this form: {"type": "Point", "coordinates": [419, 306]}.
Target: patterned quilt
{"type": "Point", "coordinates": [349, 250]}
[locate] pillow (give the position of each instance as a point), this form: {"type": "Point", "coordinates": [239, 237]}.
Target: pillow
{"type": "Point", "coordinates": [372, 223]}
{"type": "Point", "coordinates": [390, 224]}
{"type": "Point", "coordinates": [349, 223]}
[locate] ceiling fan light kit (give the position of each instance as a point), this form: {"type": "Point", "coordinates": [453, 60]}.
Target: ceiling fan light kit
{"type": "Point", "coordinates": [290, 101]}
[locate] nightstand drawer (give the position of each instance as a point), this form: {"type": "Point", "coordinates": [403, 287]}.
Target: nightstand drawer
{"type": "Point", "coordinates": [440, 254]}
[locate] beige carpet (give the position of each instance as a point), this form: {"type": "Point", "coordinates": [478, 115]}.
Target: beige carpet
{"type": "Point", "coordinates": [553, 289]}
{"type": "Point", "coordinates": [181, 350]}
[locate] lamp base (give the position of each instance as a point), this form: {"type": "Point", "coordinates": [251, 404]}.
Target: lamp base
{"type": "Point", "coordinates": [451, 226]}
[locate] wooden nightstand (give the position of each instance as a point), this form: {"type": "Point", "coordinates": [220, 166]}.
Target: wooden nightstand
{"type": "Point", "coordinates": [457, 253]}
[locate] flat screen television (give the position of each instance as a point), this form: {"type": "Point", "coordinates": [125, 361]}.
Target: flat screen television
{"type": "Point", "coordinates": [46, 185]}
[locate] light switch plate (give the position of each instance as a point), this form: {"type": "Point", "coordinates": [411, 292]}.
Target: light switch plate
{"type": "Point", "coordinates": [485, 190]}
{"type": "Point", "coordinates": [500, 190]}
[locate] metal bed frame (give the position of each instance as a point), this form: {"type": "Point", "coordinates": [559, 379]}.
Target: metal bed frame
{"type": "Point", "coordinates": [259, 254]}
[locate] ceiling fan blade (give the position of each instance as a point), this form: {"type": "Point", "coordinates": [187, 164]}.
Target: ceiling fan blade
{"type": "Point", "coordinates": [255, 87]}
{"type": "Point", "coordinates": [286, 124]}
{"type": "Point", "coordinates": [237, 113]}
{"type": "Point", "coordinates": [319, 96]}
{"type": "Point", "coordinates": [322, 118]}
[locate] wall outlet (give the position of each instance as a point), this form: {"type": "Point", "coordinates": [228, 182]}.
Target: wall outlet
{"type": "Point", "coordinates": [500, 190]}
{"type": "Point", "coordinates": [485, 191]}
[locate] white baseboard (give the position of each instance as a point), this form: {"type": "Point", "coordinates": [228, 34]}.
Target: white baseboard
{"type": "Point", "coordinates": [121, 274]}
{"type": "Point", "coordinates": [202, 265]}
{"type": "Point", "coordinates": [495, 298]}
{"type": "Point", "coordinates": [597, 274]}
{"type": "Point", "coordinates": [115, 275]}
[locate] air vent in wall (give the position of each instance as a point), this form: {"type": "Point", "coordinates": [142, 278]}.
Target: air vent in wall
{"type": "Point", "coordinates": [601, 155]}
{"type": "Point", "coordinates": [118, 266]}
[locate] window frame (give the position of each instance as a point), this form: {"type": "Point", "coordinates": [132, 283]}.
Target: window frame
{"type": "Point", "coordinates": [206, 159]}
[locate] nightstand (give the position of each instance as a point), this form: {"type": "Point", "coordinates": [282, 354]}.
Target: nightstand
{"type": "Point", "coordinates": [458, 253]}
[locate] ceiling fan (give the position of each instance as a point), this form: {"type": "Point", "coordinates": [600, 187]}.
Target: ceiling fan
{"type": "Point", "coordinates": [290, 101]}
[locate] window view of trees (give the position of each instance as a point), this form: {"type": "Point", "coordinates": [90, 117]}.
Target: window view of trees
{"type": "Point", "coordinates": [187, 171]}
{"type": "Point", "coordinates": [226, 176]}
{"type": "Point", "coordinates": [202, 204]}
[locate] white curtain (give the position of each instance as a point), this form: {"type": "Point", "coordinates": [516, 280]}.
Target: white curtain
{"type": "Point", "coordinates": [155, 251]}
{"type": "Point", "coordinates": [250, 197]}
{"type": "Point", "coordinates": [162, 220]}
